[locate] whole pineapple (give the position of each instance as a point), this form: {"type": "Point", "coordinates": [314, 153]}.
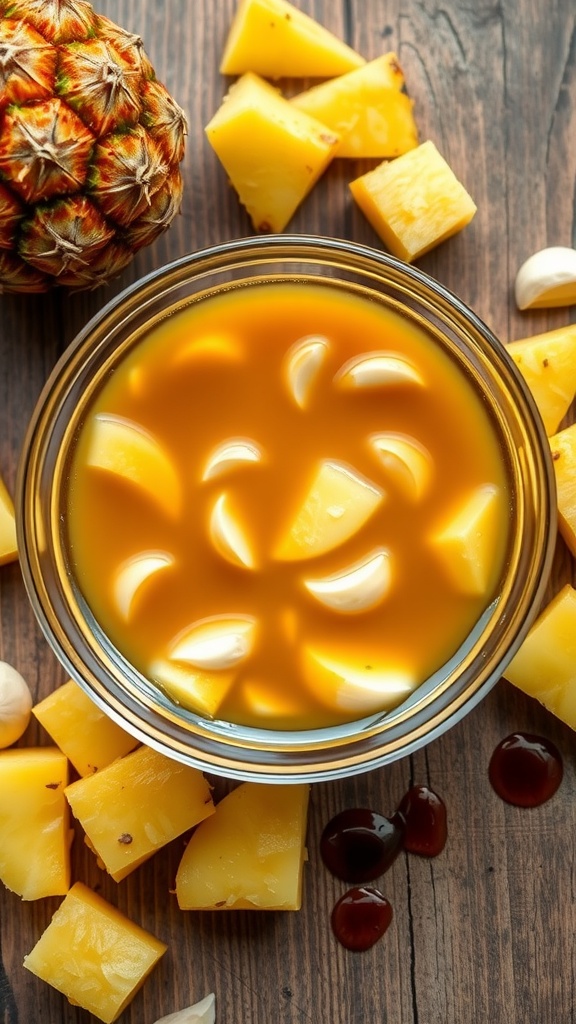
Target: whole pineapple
{"type": "Point", "coordinates": [90, 147]}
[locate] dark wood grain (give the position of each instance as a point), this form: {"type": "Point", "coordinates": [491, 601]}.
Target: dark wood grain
{"type": "Point", "coordinates": [485, 932]}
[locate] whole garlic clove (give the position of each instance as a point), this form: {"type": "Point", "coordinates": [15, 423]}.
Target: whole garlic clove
{"type": "Point", "coordinates": [203, 1012]}
{"type": "Point", "coordinates": [15, 705]}
{"type": "Point", "coordinates": [547, 279]}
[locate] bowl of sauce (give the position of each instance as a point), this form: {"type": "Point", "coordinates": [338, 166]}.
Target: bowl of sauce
{"type": "Point", "coordinates": [286, 509]}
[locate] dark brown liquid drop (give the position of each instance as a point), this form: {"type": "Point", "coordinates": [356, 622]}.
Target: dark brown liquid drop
{"type": "Point", "coordinates": [357, 845]}
{"type": "Point", "coordinates": [525, 770]}
{"type": "Point", "coordinates": [360, 918]}
{"type": "Point", "coordinates": [426, 828]}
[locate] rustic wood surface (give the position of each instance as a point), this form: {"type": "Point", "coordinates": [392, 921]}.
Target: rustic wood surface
{"type": "Point", "coordinates": [485, 932]}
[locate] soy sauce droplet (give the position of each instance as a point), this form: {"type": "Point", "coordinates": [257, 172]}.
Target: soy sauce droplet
{"type": "Point", "coordinates": [525, 770]}
{"type": "Point", "coordinates": [360, 918]}
{"type": "Point", "coordinates": [426, 828]}
{"type": "Point", "coordinates": [358, 844]}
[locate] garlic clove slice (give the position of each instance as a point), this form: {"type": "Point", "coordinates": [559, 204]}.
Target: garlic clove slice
{"type": "Point", "coordinates": [227, 535]}
{"type": "Point", "coordinates": [217, 347]}
{"type": "Point", "coordinates": [203, 1012]}
{"type": "Point", "coordinates": [547, 279]}
{"type": "Point", "coordinates": [217, 642]}
{"type": "Point", "coordinates": [377, 369]}
{"type": "Point", "coordinates": [132, 575]}
{"type": "Point", "coordinates": [359, 587]}
{"type": "Point", "coordinates": [407, 460]}
{"type": "Point", "coordinates": [234, 452]}
{"type": "Point", "coordinates": [302, 364]}
{"type": "Point", "coordinates": [357, 684]}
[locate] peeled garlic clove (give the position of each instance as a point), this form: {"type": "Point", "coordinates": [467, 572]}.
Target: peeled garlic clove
{"type": "Point", "coordinates": [228, 536]}
{"type": "Point", "coordinates": [15, 705]}
{"type": "Point", "coordinates": [133, 573]}
{"type": "Point", "coordinates": [302, 363]}
{"type": "Point", "coordinates": [547, 279]}
{"type": "Point", "coordinates": [359, 587]}
{"type": "Point", "coordinates": [217, 642]}
{"type": "Point", "coordinates": [345, 682]}
{"type": "Point", "coordinates": [234, 452]}
{"type": "Point", "coordinates": [408, 461]}
{"type": "Point", "coordinates": [203, 1012]}
{"type": "Point", "coordinates": [376, 369]}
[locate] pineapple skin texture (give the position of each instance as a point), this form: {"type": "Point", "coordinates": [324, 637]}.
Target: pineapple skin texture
{"type": "Point", "coordinates": [94, 955]}
{"type": "Point", "coordinates": [90, 147]}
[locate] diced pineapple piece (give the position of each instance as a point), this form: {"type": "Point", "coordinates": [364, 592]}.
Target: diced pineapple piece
{"type": "Point", "coordinates": [196, 689]}
{"type": "Point", "coordinates": [8, 546]}
{"type": "Point", "coordinates": [354, 682]}
{"type": "Point", "coordinates": [249, 855]}
{"type": "Point", "coordinates": [366, 108]}
{"type": "Point", "coordinates": [414, 202]}
{"type": "Point", "coordinates": [337, 504]}
{"type": "Point", "coordinates": [136, 805]}
{"type": "Point", "coordinates": [467, 544]}
{"type": "Point", "coordinates": [83, 732]}
{"type": "Point", "coordinates": [94, 955]}
{"type": "Point", "coordinates": [545, 664]}
{"type": "Point", "coordinates": [563, 448]}
{"type": "Point", "coordinates": [548, 364]}
{"type": "Point", "coordinates": [276, 40]}
{"type": "Point", "coordinates": [35, 834]}
{"type": "Point", "coordinates": [286, 154]}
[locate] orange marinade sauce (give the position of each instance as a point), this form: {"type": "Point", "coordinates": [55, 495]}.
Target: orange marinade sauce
{"type": "Point", "coordinates": [217, 370]}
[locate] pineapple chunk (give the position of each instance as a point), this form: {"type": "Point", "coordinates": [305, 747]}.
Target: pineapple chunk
{"type": "Point", "coordinates": [8, 547]}
{"type": "Point", "coordinates": [414, 202]}
{"type": "Point", "coordinates": [276, 40]}
{"type": "Point", "coordinates": [342, 681]}
{"type": "Point", "coordinates": [467, 544]}
{"type": "Point", "coordinates": [249, 855]}
{"type": "Point", "coordinates": [272, 152]}
{"type": "Point", "coordinates": [563, 448]}
{"type": "Point", "coordinates": [136, 805]}
{"type": "Point", "coordinates": [83, 732]}
{"type": "Point", "coordinates": [544, 667]}
{"type": "Point", "coordinates": [199, 690]}
{"type": "Point", "coordinates": [366, 108]}
{"type": "Point", "coordinates": [34, 822]}
{"type": "Point", "coordinates": [94, 955]}
{"type": "Point", "coordinates": [548, 364]}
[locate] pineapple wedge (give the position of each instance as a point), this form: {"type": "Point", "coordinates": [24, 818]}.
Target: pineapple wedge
{"type": "Point", "coordinates": [366, 108]}
{"type": "Point", "coordinates": [94, 955]}
{"type": "Point", "coordinates": [136, 805]}
{"type": "Point", "coordinates": [83, 732]}
{"type": "Point", "coordinates": [8, 547]}
{"type": "Point", "coordinates": [545, 665]}
{"type": "Point", "coordinates": [34, 822]}
{"type": "Point", "coordinates": [466, 545]}
{"type": "Point", "coordinates": [249, 854]}
{"type": "Point", "coordinates": [563, 448]}
{"type": "Point", "coordinates": [414, 202]}
{"type": "Point", "coordinates": [272, 152]}
{"type": "Point", "coordinates": [548, 364]}
{"type": "Point", "coordinates": [276, 40]}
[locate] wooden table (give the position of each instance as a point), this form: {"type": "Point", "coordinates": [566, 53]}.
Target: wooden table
{"type": "Point", "coordinates": [485, 932]}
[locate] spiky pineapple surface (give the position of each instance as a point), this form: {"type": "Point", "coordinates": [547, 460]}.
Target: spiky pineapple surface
{"type": "Point", "coordinates": [90, 146]}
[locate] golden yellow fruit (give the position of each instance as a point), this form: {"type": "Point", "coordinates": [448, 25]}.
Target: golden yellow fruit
{"type": "Point", "coordinates": [548, 364]}
{"type": "Point", "coordinates": [8, 545]}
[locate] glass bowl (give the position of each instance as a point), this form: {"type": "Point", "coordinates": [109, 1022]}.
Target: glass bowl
{"type": "Point", "coordinates": [114, 684]}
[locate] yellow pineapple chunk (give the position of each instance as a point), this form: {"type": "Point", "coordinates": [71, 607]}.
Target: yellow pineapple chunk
{"type": "Point", "coordinates": [548, 364]}
{"type": "Point", "coordinates": [136, 805]}
{"type": "Point", "coordinates": [272, 152]}
{"type": "Point", "coordinates": [276, 40]}
{"type": "Point", "coordinates": [8, 547]}
{"type": "Point", "coordinates": [366, 108]}
{"type": "Point", "coordinates": [35, 835]}
{"type": "Point", "coordinates": [544, 667]}
{"type": "Point", "coordinates": [94, 955]}
{"type": "Point", "coordinates": [467, 544]}
{"type": "Point", "coordinates": [414, 202]}
{"type": "Point", "coordinates": [249, 854]}
{"type": "Point", "coordinates": [563, 448]}
{"type": "Point", "coordinates": [83, 732]}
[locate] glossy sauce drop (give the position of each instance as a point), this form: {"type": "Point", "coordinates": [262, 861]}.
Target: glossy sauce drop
{"type": "Point", "coordinates": [360, 918]}
{"type": "Point", "coordinates": [525, 770]}
{"type": "Point", "coordinates": [357, 845]}
{"type": "Point", "coordinates": [426, 828]}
